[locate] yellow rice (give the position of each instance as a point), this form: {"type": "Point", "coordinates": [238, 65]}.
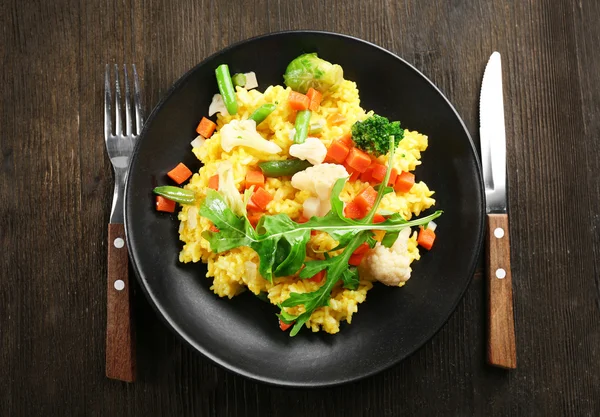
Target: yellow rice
{"type": "Point", "coordinates": [235, 271]}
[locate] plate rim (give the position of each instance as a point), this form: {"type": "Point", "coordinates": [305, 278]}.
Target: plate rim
{"type": "Point", "coordinates": [281, 382]}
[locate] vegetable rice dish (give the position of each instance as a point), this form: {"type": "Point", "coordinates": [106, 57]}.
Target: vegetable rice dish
{"type": "Point", "coordinates": [304, 198]}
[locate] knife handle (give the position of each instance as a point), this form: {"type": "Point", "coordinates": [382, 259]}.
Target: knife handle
{"type": "Point", "coordinates": [120, 347]}
{"type": "Point", "coordinates": [501, 349]}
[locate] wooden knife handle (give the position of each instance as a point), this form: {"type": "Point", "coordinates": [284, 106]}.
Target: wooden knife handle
{"type": "Point", "coordinates": [120, 347]}
{"type": "Point", "coordinates": [501, 349]}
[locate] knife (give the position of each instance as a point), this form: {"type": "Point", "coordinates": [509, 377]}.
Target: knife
{"type": "Point", "coordinates": [501, 349]}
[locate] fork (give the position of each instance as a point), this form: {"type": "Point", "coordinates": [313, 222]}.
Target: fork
{"type": "Point", "coordinates": [120, 345]}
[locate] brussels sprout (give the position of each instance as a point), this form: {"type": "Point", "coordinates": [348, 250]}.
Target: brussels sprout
{"type": "Point", "coordinates": [309, 70]}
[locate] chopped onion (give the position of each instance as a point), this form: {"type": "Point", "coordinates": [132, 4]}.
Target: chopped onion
{"type": "Point", "coordinates": [432, 226]}
{"type": "Point", "coordinates": [292, 133]}
{"type": "Point", "coordinates": [251, 270]}
{"type": "Point", "coordinates": [251, 81]}
{"type": "Point", "coordinates": [192, 217]}
{"type": "Point", "coordinates": [198, 142]}
{"type": "Point", "coordinates": [217, 105]}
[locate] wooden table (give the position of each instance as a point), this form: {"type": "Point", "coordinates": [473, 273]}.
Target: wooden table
{"type": "Point", "coordinates": [56, 188]}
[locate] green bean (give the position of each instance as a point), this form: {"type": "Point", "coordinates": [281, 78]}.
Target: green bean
{"type": "Point", "coordinates": [302, 122]}
{"type": "Point", "coordinates": [262, 112]}
{"type": "Point", "coordinates": [284, 168]}
{"type": "Point", "coordinates": [226, 88]}
{"type": "Point", "coordinates": [176, 194]}
{"type": "Point", "coordinates": [239, 79]}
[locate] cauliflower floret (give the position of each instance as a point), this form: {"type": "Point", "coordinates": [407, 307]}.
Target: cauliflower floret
{"type": "Point", "coordinates": [319, 181]}
{"type": "Point", "coordinates": [217, 105]}
{"type": "Point", "coordinates": [390, 266]}
{"type": "Point", "coordinates": [243, 133]}
{"type": "Point", "coordinates": [228, 189]}
{"type": "Point", "coordinates": [312, 150]}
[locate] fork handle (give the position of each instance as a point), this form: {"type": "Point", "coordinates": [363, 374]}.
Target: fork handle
{"type": "Point", "coordinates": [501, 349]}
{"type": "Point", "coordinates": [120, 347]}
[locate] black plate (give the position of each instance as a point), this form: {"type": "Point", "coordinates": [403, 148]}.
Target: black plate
{"type": "Point", "coordinates": [242, 334]}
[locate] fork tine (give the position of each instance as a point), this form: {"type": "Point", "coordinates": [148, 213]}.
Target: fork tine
{"type": "Point", "coordinates": [107, 105]}
{"type": "Point", "coordinates": [118, 121]}
{"type": "Point", "coordinates": [128, 121]}
{"type": "Point", "coordinates": [137, 102]}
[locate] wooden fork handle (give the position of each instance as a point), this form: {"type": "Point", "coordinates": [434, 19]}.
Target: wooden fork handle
{"type": "Point", "coordinates": [120, 347]}
{"type": "Point", "coordinates": [501, 349]}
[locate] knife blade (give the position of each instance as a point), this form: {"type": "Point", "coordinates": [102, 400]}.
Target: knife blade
{"type": "Point", "coordinates": [501, 345]}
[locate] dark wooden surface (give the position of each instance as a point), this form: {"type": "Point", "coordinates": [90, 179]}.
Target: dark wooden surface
{"type": "Point", "coordinates": [56, 184]}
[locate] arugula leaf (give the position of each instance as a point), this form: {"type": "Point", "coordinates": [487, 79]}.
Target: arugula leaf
{"type": "Point", "coordinates": [350, 278]}
{"type": "Point", "coordinates": [389, 239]}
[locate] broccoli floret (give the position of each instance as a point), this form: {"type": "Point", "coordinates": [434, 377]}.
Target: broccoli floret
{"type": "Point", "coordinates": [373, 134]}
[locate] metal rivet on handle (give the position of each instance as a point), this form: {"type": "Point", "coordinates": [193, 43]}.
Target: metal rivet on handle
{"type": "Point", "coordinates": [500, 273]}
{"type": "Point", "coordinates": [499, 232]}
{"type": "Point", "coordinates": [119, 285]}
{"type": "Point", "coordinates": [119, 243]}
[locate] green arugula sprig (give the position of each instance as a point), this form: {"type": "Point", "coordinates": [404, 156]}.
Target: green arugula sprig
{"type": "Point", "coordinates": [281, 243]}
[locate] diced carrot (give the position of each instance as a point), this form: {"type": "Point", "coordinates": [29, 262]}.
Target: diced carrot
{"type": "Point", "coordinates": [298, 101]}
{"type": "Point", "coordinates": [284, 326]}
{"type": "Point", "coordinates": [354, 211]}
{"type": "Point", "coordinates": [262, 198]}
{"type": "Point", "coordinates": [353, 173]}
{"type": "Point", "coordinates": [379, 172]}
{"type": "Point", "coordinates": [347, 140]}
{"type": "Point", "coordinates": [404, 182]}
{"type": "Point", "coordinates": [302, 219]}
{"type": "Point", "coordinates": [355, 260]}
{"type": "Point", "coordinates": [255, 178]}
{"type": "Point", "coordinates": [315, 99]}
{"type": "Point", "coordinates": [426, 238]}
{"type": "Point", "coordinates": [366, 198]}
{"type": "Point", "coordinates": [214, 228]}
{"type": "Point", "coordinates": [378, 218]}
{"type": "Point", "coordinates": [251, 206]}
{"type": "Point", "coordinates": [213, 182]}
{"type": "Point", "coordinates": [336, 119]}
{"type": "Point", "coordinates": [206, 127]}
{"type": "Point", "coordinates": [318, 277]}
{"type": "Point", "coordinates": [164, 204]}
{"type": "Point", "coordinates": [393, 176]}
{"type": "Point", "coordinates": [180, 173]}
{"type": "Point", "coordinates": [254, 217]}
{"type": "Point", "coordinates": [358, 160]}
{"type": "Point", "coordinates": [362, 249]}
{"type": "Point", "coordinates": [338, 151]}
{"type": "Point", "coordinates": [366, 176]}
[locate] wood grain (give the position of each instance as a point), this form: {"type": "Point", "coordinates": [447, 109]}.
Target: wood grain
{"type": "Point", "coordinates": [120, 340]}
{"type": "Point", "coordinates": [56, 187]}
{"type": "Point", "coordinates": [501, 347]}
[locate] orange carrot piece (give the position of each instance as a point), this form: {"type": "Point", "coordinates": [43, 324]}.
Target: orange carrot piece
{"type": "Point", "coordinates": [164, 204]}
{"type": "Point", "coordinates": [426, 238]}
{"type": "Point", "coordinates": [338, 151]}
{"type": "Point", "coordinates": [302, 219]}
{"type": "Point", "coordinates": [298, 101]}
{"type": "Point", "coordinates": [336, 119]}
{"type": "Point", "coordinates": [315, 99]}
{"type": "Point", "coordinates": [347, 140]}
{"type": "Point", "coordinates": [256, 178]}
{"type": "Point", "coordinates": [354, 211]}
{"type": "Point", "coordinates": [367, 175]}
{"type": "Point", "coordinates": [378, 172]}
{"type": "Point", "coordinates": [180, 173]}
{"type": "Point", "coordinates": [358, 160]}
{"type": "Point", "coordinates": [318, 277]}
{"type": "Point", "coordinates": [206, 127]}
{"type": "Point", "coordinates": [353, 174]}
{"type": "Point", "coordinates": [361, 250]}
{"type": "Point", "coordinates": [366, 198]}
{"type": "Point", "coordinates": [213, 182]}
{"type": "Point", "coordinates": [254, 217]}
{"type": "Point", "coordinates": [214, 228]}
{"type": "Point", "coordinates": [284, 326]}
{"type": "Point", "coordinates": [393, 176]}
{"type": "Point", "coordinates": [404, 182]}
{"type": "Point", "coordinates": [355, 260]}
{"type": "Point", "coordinates": [378, 218]}
{"type": "Point", "coordinates": [262, 198]}
{"type": "Point", "coordinates": [251, 206]}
